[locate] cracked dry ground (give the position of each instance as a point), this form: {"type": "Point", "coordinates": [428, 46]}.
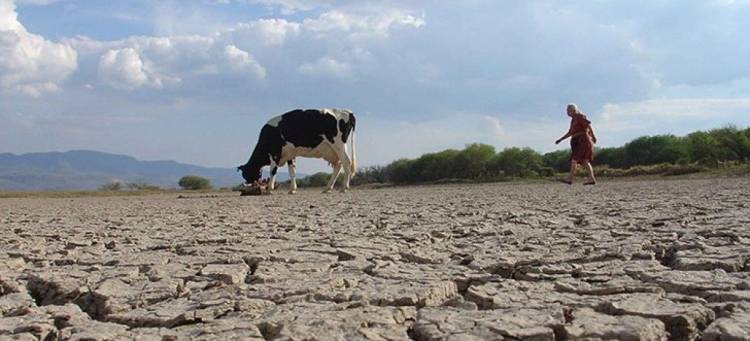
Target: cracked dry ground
{"type": "Point", "coordinates": [646, 260]}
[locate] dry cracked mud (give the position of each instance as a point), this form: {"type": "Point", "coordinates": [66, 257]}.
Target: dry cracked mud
{"type": "Point", "coordinates": [641, 260]}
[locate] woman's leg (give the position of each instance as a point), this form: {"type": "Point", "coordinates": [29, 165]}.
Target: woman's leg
{"type": "Point", "coordinates": [573, 168]}
{"type": "Point", "coordinates": [590, 169]}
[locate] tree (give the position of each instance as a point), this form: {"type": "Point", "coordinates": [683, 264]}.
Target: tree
{"type": "Point", "coordinates": [613, 157]}
{"type": "Point", "coordinates": [703, 148]}
{"type": "Point", "coordinates": [194, 182]}
{"type": "Point", "coordinates": [473, 161]}
{"type": "Point", "coordinates": [557, 160]}
{"type": "Point", "coordinates": [435, 166]}
{"type": "Point", "coordinates": [114, 186]}
{"type": "Point", "coordinates": [319, 179]}
{"type": "Point", "coordinates": [400, 171]}
{"type": "Point", "coordinates": [141, 186]}
{"type": "Point", "coordinates": [651, 150]}
{"type": "Point", "coordinates": [517, 162]}
{"type": "Point", "coordinates": [370, 175]}
{"type": "Point", "coordinates": [733, 143]}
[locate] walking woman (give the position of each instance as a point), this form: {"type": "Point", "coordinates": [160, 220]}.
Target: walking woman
{"type": "Point", "coordinates": [582, 141]}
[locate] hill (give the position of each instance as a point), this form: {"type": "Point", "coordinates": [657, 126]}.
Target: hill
{"type": "Point", "coordinates": [85, 169]}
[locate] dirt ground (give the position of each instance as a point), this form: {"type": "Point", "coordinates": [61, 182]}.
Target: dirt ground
{"type": "Point", "coordinates": [638, 260]}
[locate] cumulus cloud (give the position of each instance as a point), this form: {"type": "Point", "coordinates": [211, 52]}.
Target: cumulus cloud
{"type": "Point", "coordinates": [292, 6]}
{"type": "Point", "coordinates": [333, 38]}
{"type": "Point", "coordinates": [241, 61]}
{"type": "Point", "coordinates": [335, 25]}
{"type": "Point", "coordinates": [124, 69]}
{"type": "Point", "coordinates": [29, 63]}
{"type": "Point", "coordinates": [327, 67]}
{"type": "Point", "coordinates": [674, 108]}
{"type": "Point", "coordinates": [669, 114]}
{"type": "Point", "coordinates": [268, 31]}
{"type": "Point", "coordinates": [379, 24]}
{"type": "Point", "coordinates": [37, 2]}
{"type": "Point", "coordinates": [167, 62]}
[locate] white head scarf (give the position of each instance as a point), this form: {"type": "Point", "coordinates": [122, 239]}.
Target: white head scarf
{"type": "Point", "coordinates": [574, 107]}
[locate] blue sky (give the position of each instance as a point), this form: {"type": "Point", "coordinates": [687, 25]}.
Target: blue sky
{"type": "Point", "coordinates": [194, 81]}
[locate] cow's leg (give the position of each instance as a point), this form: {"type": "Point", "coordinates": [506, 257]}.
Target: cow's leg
{"type": "Point", "coordinates": [292, 176]}
{"type": "Point", "coordinates": [334, 176]}
{"type": "Point", "coordinates": [346, 163]}
{"type": "Point", "coordinates": [272, 180]}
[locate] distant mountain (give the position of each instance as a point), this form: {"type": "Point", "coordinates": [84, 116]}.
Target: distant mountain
{"type": "Point", "coordinates": [84, 169]}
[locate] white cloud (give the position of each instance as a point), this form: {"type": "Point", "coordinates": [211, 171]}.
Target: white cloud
{"type": "Point", "coordinates": [292, 6]}
{"type": "Point", "coordinates": [37, 2]}
{"type": "Point", "coordinates": [378, 24]}
{"type": "Point", "coordinates": [241, 61]}
{"type": "Point", "coordinates": [30, 64]}
{"type": "Point", "coordinates": [8, 17]}
{"type": "Point", "coordinates": [168, 62]}
{"type": "Point", "coordinates": [157, 62]}
{"type": "Point", "coordinates": [327, 67]}
{"type": "Point", "coordinates": [269, 31]}
{"type": "Point", "coordinates": [617, 123]}
{"type": "Point", "coordinates": [674, 108]}
{"type": "Point", "coordinates": [334, 25]}
{"type": "Point", "coordinates": [123, 69]}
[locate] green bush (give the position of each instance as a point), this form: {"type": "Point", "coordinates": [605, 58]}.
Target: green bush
{"type": "Point", "coordinates": [666, 169]}
{"type": "Point", "coordinates": [141, 186]}
{"type": "Point", "coordinates": [370, 175]}
{"type": "Point", "coordinates": [646, 155]}
{"type": "Point", "coordinates": [651, 150]}
{"type": "Point", "coordinates": [734, 143]}
{"type": "Point", "coordinates": [517, 162]}
{"type": "Point", "coordinates": [319, 179]}
{"type": "Point", "coordinates": [557, 160]}
{"type": "Point", "coordinates": [473, 162]}
{"type": "Point", "coordinates": [194, 182]}
{"type": "Point", "coordinates": [114, 186]}
{"type": "Point", "coordinates": [546, 171]}
{"type": "Point", "coordinates": [400, 171]}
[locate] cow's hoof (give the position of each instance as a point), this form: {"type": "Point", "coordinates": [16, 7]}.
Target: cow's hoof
{"type": "Point", "coordinates": [293, 192]}
{"type": "Point", "coordinates": [343, 190]}
{"type": "Point", "coordinates": [327, 191]}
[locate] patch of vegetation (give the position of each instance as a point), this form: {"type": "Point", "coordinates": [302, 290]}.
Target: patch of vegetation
{"type": "Point", "coordinates": [111, 187]}
{"type": "Point", "coordinates": [665, 169]}
{"type": "Point", "coordinates": [141, 186]}
{"type": "Point", "coordinates": [117, 186]}
{"type": "Point", "coordinates": [194, 182]}
{"type": "Point", "coordinates": [663, 155]}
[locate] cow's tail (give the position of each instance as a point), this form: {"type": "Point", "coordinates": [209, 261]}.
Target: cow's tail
{"type": "Point", "coordinates": [353, 166]}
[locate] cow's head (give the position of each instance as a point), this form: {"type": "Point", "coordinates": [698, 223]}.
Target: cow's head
{"type": "Point", "coordinates": [249, 173]}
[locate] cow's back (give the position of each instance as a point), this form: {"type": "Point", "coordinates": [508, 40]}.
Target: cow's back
{"type": "Point", "coordinates": [307, 128]}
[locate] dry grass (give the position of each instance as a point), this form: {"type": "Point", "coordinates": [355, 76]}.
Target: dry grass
{"type": "Point", "coordinates": [664, 169]}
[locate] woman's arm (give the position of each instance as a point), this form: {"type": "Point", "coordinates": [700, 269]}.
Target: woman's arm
{"type": "Point", "coordinates": [569, 135]}
{"type": "Point", "coordinates": [563, 138]}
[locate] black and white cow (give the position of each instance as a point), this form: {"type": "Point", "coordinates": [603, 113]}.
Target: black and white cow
{"type": "Point", "coordinates": [313, 133]}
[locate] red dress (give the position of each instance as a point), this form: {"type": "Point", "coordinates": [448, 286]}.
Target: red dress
{"type": "Point", "coordinates": [582, 145]}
